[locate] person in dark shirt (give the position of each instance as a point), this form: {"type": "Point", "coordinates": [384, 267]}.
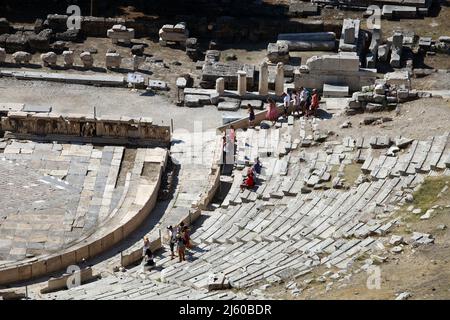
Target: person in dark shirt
{"type": "Point", "coordinates": [251, 116]}
{"type": "Point", "coordinates": [257, 166]}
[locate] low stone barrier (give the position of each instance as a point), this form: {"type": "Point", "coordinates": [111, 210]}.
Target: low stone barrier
{"type": "Point", "coordinates": [129, 257]}
{"type": "Point", "coordinates": [85, 79]}
{"type": "Point", "coordinates": [55, 284]}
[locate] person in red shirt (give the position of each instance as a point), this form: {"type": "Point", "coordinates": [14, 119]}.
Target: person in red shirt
{"type": "Point", "coordinates": [314, 102]}
{"type": "Point", "coordinates": [249, 181]}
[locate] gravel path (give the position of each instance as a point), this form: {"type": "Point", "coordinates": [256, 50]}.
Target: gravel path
{"type": "Point", "coordinates": [68, 98]}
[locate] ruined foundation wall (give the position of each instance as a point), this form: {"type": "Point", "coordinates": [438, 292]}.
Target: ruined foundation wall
{"type": "Point", "coordinates": [19, 122]}
{"type": "Point", "coordinates": [225, 29]}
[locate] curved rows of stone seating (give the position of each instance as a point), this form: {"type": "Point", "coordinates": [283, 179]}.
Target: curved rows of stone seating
{"type": "Point", "coordinates": [285, 234]}
{"type": "Point", "coordinates": [247, 244]}
{"type": "Point", "coordinates": [198, 180]}
{"type": "Point", "coordinates": [290, 227]}
{"type": "Point", "coordinates": [198, 154]}
{"type": "Point", "coordinates": [131, 288]}
{"type": "Point", "coordinates": [119, 210]}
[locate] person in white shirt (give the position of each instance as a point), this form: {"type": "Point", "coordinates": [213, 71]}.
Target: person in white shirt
{"type": "Point", "coordinates": [296, 99]}
{"type": "Point", "coordinates": [172, 241]}
{"type": "Point", "coordinates": [286, 103]}
{"type": "Point", "coordinates": [303, 99]}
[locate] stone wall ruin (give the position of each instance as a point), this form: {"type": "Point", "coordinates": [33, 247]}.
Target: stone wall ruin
{"type": "Point", "coordinates": [75, 125]}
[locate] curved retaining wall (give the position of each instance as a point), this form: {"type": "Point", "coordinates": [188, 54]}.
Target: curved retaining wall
{"type": "Point", "coordinates": [105, 238]}
{"type": "Point", "coordinates": [134, 253]}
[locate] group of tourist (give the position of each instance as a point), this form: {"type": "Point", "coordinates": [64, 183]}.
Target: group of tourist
{"type": "Point", "coordinates": [178, 236]}
{"type": "Point", "coordinates": [305, 103]}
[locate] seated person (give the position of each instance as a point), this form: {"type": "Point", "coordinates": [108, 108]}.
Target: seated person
{"type": "Point", "coordinates": [257, 166]}
{"type": "Point", "coordinates": [249, 181]}
{"type": "Point", "coordinates": [149, 258]}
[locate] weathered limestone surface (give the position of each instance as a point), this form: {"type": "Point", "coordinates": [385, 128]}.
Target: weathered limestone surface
{"type": "Point", "coordinates": [69, 58]}
{"type": "Point", "coordinates": [113, 60]}
{"type": "Point", "coordinates": [278, 52]}
{"type": "Point", "coordinates": [263, 87]}
{"type": "Point", "coordinates": [396, 49]}
{"type": "Point", "coordinates": [372, 55]}
{"type": "Point", "coordinates": [398, 79]}
{"type": "Point", "coordinates": [87, 59]}
{"type": "Point", "coordinates": [21, 57]}
{"type": "Point", "coordinates": [383, 52]}
{"type": "Point", "coordinates": [341, 70]}
{"type": "Point", "coordinates": [279, 80]}
{"type": "Point", "coordinates": [220, 86]}
{"type": "Point", "coordinates": [242, 82]}
{"type": "Point", "coordinates": [300, 8]}
{"type": "Point", "coordinates": [314, 41]}
{"type": "Point", "coordinates": [80, 217]}
{"type": "Point", "coordinates": [398, 12]}
{"type": "Point", "coordinates": [86, 79]}
{"type": "Point", "coordinates": [120, 33]}
{"type": "Point", "coordinates": [174, 33]}
{"type": "Point", "coordinates": [228, 71]}
{"type": "Point", "coordinates": [335, 91]}
{"type": "Point", "coordinates": [49, 59]}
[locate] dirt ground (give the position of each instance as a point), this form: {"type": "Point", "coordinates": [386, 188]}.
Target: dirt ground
{"type": "Point", "coordinates": [434, 81]}
{"type": "Point", "coordinates": [418, 119]}
{"type": "Point", "coordinates": [65, 98]}
{"type": "Point", "coordinates": [162, 63]}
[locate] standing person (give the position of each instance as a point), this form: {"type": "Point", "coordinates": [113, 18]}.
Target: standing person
{"type": "Point", "coordinates": [181, 247]}
{"type": "Point", "coordinates": [224, 150]}
{"type": "Point", "coordinates": [180, 227]}
{"type": "Point", "coordinates": [232, 133]}
{"type": "Point", "coordinates": [172, 241]}
{"type": "Point", "coordinates": [272, 112]}
{"type": "Point", "coordinates": [186, 237]}
{"type": "Point", "coordinates": [251, 116]}
{"type": "Point", "coordinates": [232, 139]}
{"type": "Point", "coordinates": [314, 102]}
{"type": "Point", "coordinates": [146, 246]}
{"type": "Point", "coordinates": [303, 100]}
{"type": "Point", "coordinates": [308, 101]}
{"type": "Point", "coordinates": [296, 98]}
{"type": "Point", "coordinates": [228, 149]}
{"type": "Point", "coordinates": [286, 104]}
